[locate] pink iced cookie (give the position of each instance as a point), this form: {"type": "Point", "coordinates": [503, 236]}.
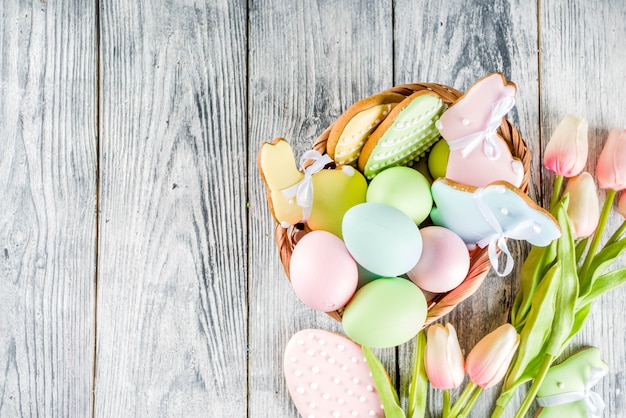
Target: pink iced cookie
{"type": "Point", "coordinates": [327, 376]}
{"type": "Point", "coordinates": [478, 155]}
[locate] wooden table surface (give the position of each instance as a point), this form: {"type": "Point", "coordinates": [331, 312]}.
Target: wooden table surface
{"type": "Point", "coordinates": [138, 271]}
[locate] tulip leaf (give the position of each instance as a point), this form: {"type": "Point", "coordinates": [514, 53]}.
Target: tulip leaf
{"type": "Point", "coordinates": [600, 263]}
{"type": "Point", "coordinates": [581, 246]}
{"type": "Point", "coordinates": [388, 394]}
{"type": "Point", "coordinates": [539, 260]}
{"type": "Point", "coordinates": [579, 320]}
{"type": "Point", "coordinates": [567, 293]}
{"type": "Point", "coordinates": [603, 284]}
{"type": "Point", "coordinates": [418, 389]}
{"type": "Point", "coordinates": [536, 331]}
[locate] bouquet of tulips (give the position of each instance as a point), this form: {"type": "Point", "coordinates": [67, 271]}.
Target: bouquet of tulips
{"type": "Point", "coordinates": [558, 284]}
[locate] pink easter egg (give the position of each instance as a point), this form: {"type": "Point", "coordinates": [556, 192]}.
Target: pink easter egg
{"type": "Point", "coordinates": [444, 263]}
{"type": "Point", "coordinates": [323, 273]}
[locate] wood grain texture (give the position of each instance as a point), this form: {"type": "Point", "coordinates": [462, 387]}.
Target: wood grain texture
{"type": "Point", "coordinates": [47, 207]}
{"type": "Point", "coordinates": [171, 332]}
{"type": "Point", "coordinates": [582, 73]}
{"type": "Point", "coordinates": [456, 45]}
{"type": "Point", "coordinates": [308, 62]}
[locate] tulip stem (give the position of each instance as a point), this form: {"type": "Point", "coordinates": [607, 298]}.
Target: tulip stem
{"type": "Point", "coordinates": [446, 403]}
{"type": "Point", "coordinates": [534, 388]}
{"type": "Point", "coordinates": [462, 400]}
{"type": "Point", "coordinates": [497, 413]}
{"type": "Point", "coordinates": [597, 236]}
{"type": "Point", "coordinates": [617, 234]}
{"type": "Point", "coordinates": [471, 402]}
{"type": "Point", "coordinates": [556, 192]}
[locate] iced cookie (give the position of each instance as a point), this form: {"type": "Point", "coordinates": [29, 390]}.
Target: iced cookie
{"type": "Point", "coordinates": [487, 216]}
{"type": "Point", "coordinates": [406, 134]}
{"type": "Point", "coordinates": [314, 195]}
{"type": "Point", "coordinates": [327, 376]}
{"type": "Point", "coordinates": [354, 126]}
{"type": "Point", "coordinates": [478, 155]}
{"type": "Point", "coordinates": [566, 390]}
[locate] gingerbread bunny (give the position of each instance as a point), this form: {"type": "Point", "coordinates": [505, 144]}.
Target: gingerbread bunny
{"type": "Point", "coordinates": [478, 154]}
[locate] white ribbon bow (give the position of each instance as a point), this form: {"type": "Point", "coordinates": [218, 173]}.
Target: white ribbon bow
{"type": "Point", "coordinates": [522, 231]}
{"type": "Point", "coordinates": [488, 135]}
{"type": "Point", "coordinates": [593, 401]}
{"type": "Point", "coordinates": [303, 190]}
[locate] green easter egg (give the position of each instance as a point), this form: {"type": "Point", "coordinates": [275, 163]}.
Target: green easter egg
{"type": "Point", "coordinates": [385, 313]}
{"type": "Point", "coordinates": [405, 189]}
{"type": "Point", "coordinates": [438, 159]}
{"type": "Point", "coordinates": [334, 192]}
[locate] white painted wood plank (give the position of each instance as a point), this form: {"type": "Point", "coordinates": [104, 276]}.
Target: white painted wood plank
{"type": "Point", "coordinates": [456, 44]}
{"type": "Point", "coordinates": [308, 62]}
{"type": "Point", "coordinates": [47, 207]}
{"type": "Point", "coordinates": [171, 332]}
{"type": "Point", "coordinates": [582, 73]}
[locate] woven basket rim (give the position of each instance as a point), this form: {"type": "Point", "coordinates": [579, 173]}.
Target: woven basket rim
{"type": "Point", "coordinates": [442, 304]}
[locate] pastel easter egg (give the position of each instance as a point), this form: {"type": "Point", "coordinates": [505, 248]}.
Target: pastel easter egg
{"type": "Point", "coordinates": [327, 376]}
{"type": "Point", "coordinates": [385, 313]}
{"type": "Point", "coordinates": [323, 274]}
{"type": "Point", "coordinates": [403, 188]}
{"type": "Point", "coordinates": [334, 192]}
{"type": "Point", "coordinates": [444, 262]}
{"type": "Point", "coordinates": [382, 239]}
{"type": "Point", "coordinates": [438, 159]}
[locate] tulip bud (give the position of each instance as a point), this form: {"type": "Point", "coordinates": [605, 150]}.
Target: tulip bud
{"type": "Point", "coordinates": [566, 153]}
{"type": "Point", "coordinates": [621, 205]}
{"type": "Point", "coordinates": [584, 209]}
{"type": "Point", "coordinates": [611, 168]}
{"type": "Point", "coordinates": [443, 358]}
{"type": "Point", "coordinates": [488, 361]}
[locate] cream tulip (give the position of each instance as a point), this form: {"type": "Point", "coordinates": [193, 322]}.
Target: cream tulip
{"type": "Point", "coordinates": [488, 361]}
{"type": "Point", "coordinates": [443, 357]}
{"type": "Point", "coordinates": [584, 208]}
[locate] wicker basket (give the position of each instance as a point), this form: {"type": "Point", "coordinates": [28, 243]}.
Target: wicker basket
{"type": "Point", "coordinates": [480, 265]}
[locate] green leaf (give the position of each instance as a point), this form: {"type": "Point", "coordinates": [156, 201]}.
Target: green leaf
{"type": "Point", "coordinates": [387, 392]}
{"type": "Point", "coordinates": [418, 389]}
{"type": "Point", "coordinates": [581, 246]}
{"type": "Point", "coordinates": [538, 262]}
{"type": "Point", "coordinates": [600, 263]}
{"type": "Point", "coordinates": [567, 294]}
{"type": "Point", "coordinates": [603, 284]}
{"type": "Point", "coordinates": [536, 331]}
{"type": "Point", "coordinates": [579, 320]}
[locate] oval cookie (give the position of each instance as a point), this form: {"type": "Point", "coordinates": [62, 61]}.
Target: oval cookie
{"type": "Point", "coordinates": [327, 376]}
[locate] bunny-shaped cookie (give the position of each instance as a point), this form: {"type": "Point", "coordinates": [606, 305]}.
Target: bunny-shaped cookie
{"type": "Point", "coordinates": [478, 155]}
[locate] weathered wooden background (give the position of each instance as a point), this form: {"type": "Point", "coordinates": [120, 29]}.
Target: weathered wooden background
{"type": "Point", "coordinates": [138, 274]}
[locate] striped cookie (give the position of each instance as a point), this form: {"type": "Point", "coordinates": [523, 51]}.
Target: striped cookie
{"type": "Point", "coordinates": [405, 135]}
{"type": "Point", "coordinates": [328, 376]}
{"type": "Point", "coordinates": [352, 129]}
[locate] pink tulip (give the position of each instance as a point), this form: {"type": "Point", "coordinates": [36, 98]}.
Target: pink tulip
{"type": "Point", "coordinates": [566, 153]}
{"type": "Point", "coordinates": [488, 361]}
{"type": "Point", "coordinates": [443, 357]}
{"type": "Point", "coordinates": [584, 208]}
{"type": "Point", "coordinates": [611, 168]}
{"type": "Point", "coordinates": [621, 205]}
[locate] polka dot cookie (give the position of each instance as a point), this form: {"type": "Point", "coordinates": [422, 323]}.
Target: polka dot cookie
{"type": "Point", "coordinates": [405, 135]}
{"type": "Point", "coordinates": [328, 376]}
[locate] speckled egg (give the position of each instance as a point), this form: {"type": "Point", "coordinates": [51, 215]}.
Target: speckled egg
{"type": "Point", "coordinates": [385, 313]}
{"type": "Point", "coordinates": [323, 274]}
{"type": "Point", "coordinates": [444, 262]}
{"type": "Point", "coordinates": [382, 238]}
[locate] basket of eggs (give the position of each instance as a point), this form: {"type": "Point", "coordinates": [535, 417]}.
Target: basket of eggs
{"type": "Point", "coordinates": [403, 205]}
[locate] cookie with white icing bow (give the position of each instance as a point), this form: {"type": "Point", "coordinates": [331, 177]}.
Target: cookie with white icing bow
{"type": "Point", "coordinates": [478, 154]}
{"type": "Point", "coordinates": [488, 216]}
{"type": "Point", "coordinates": [314, 195]}
{"type": "Point", "coordinates": [328, 376]}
